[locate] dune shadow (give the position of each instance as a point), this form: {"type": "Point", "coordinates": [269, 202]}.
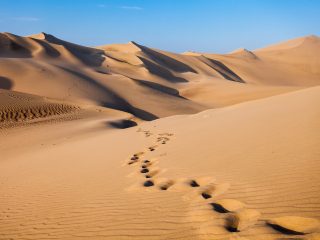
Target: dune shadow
{"type": "Point", "coordinates": [167, 61]}
{"type": "Point", "coordinates": [10, 48]}
{"type": "Point", "coordinates": [102, 71]}
{"type": "Point", "coordinates": [89, 56]}
{"type": "Point", "coordinates": [158, 87]}
{"type": "Point", "coordinates": [226, 72]}
{"type": "Point", "coordinates": [144, 115]}
{"type": "Point", "coordinates": [117, 102]}
{"type": "Point", "coordinates": [6, 83]}
{"type": "Point", "coordinates": [161, 71]}
{"type": "Point", "coordinates": [122, 124]}
{"type": "Point", "coordinates": [51, 51]}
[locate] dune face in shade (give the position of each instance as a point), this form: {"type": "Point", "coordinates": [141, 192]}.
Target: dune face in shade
{"type": "Point", "coordinates": [125, 141]}
{"type": "Point", "coordinates": [5, 83]}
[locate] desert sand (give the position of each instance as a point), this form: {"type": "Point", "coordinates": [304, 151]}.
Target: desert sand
{"type": "Point", "coordinates": [124, 141]}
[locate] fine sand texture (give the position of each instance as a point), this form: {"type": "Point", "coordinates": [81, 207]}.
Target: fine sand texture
{"type": "Point", "coordinates": [203, 176]}
{"type": "Point", "coordinates": [18, 108]}
{"type": "Point", "coordinates": [128, 142]}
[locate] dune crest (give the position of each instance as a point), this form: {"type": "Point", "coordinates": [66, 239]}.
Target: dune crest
{"type": "Point", "coordinates": [130, 47]}
{"type": "Point", "coordinates": [290, 44]}
{"type": "Point", "coordinates": [244, 53]}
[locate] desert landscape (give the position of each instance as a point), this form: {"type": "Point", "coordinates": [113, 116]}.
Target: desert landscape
{"type": "Point", "coordinates": [125, 141]}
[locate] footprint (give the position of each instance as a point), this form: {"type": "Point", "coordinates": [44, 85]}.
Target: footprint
{"type": "Point", "coordinates": [135, 158]}
{"type": "Point", "coordinates": [240, 221]}
{"type": "Point", "coordinates": [152, 174]}
{"type": "Point", "coordinates": [138, 154]}
{"type": "Point", "coordinates": [148, 183]}
{"type": "Point", "coordinates": [167, 184]}
{"type": "Point", "coordinates": [206, 195]}
{"type": "Point", "coordinates": [295, 225]}
{"type": "Point", "coordinates": [193, 183]}
{"type": "Point", "coordinates": [144, 170]}
{"type": "Point", "coordinates": [227, 205]}
{"type": "Point", "coordinates": [145, 165]}
{"type": "Point", "coordinates": [214, 189]}
{"type": "Point", "coordinates": [152, 148]}
{"type": "Point", "coordinates": [166, 134]}
{"type": "Point", "coordinates": [163, 140]}
{"type": "Point", "coordinates": [147, 133]}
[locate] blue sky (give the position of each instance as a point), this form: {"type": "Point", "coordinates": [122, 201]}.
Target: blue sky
{"type": "Point", "coordinates": [175, 25]}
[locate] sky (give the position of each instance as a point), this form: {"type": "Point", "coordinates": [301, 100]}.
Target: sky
{"type": "Point", "coordinates": [216, 26]}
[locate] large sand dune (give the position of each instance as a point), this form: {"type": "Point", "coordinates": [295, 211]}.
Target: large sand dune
{"type": "Point", "coordinates": [232, 153]}
{"type": "Point", "coordinates": [119, 76]}
{"type": "Point", "coordinates": [171, 178]}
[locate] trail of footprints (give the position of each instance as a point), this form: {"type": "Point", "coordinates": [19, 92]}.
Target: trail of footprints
{"type": "Point", "coordinates": [238, 216]}
{"type": "Point", "coordinates": [146, 165]}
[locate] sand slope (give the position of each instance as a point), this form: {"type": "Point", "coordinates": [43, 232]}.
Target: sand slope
{"type": "Point", "coordinates": [18, 108]}
{"type": "Point", "coordinates": [166, 179]}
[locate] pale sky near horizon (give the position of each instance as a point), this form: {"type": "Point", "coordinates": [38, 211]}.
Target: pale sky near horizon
{"type": "Point", "coordinates": [175, 25]}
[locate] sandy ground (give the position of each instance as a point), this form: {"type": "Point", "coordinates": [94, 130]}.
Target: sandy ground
{"type": "Point", "coordinates": [81, 185]}
{"type": "Point", "coordinates": [232, 151]}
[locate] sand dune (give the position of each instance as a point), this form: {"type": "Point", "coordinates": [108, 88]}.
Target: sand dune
{"type": "Point", "coordinates": [262, 162]}
{"type": "Point", "coordinates": [282, 64]}
{"type": "Point", "coordinates": [232, 151]}
{"type": "Point", "coordinates": [200, 176]}
{"type": "Point", "coordinates": [115, 76]}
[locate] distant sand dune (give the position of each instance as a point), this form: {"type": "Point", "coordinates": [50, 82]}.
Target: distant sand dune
{"type": "Point", "coordinates": [116, 75]}
{"type": "Point", "coordinates": [244, 53]}
{"type": "Point", "coordinates": [151, 83]}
